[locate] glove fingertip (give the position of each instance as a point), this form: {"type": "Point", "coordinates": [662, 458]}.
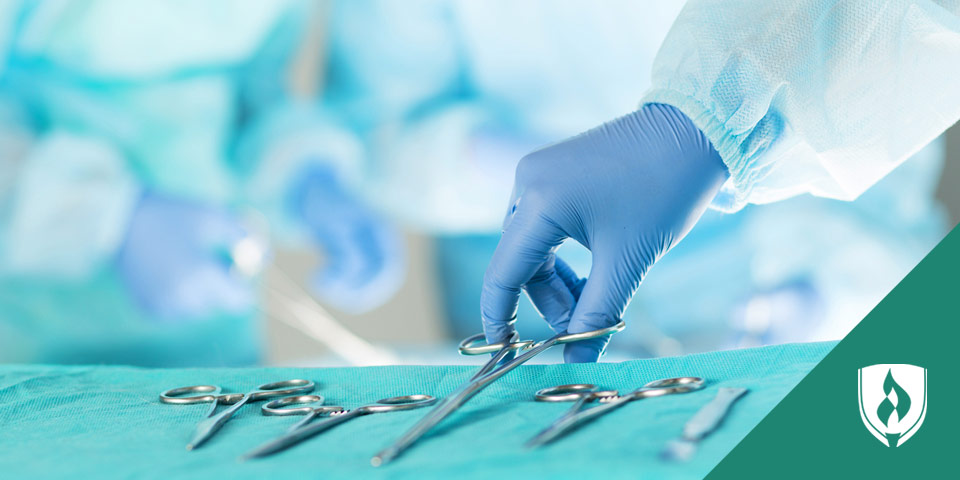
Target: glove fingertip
{"type": "Point", "coordinates": [586, 351]}
{"type": "Point", "coordinates": [496, 331]}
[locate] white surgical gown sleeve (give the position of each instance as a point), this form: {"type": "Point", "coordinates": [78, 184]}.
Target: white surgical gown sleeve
{"type": "Point", "coordinates": [69, 210]}
{"type": "Point", "coordinates": [811, 96]}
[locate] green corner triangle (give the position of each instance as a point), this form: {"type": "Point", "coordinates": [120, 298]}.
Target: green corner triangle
{"type": "Point", "coordinates": [817, 431]}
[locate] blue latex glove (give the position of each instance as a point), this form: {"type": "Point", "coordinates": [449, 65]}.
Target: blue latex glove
{"type": "Point", "coordinates": [175, 260]}
{"type": "Point", "coordinates": [364, 255]}
{"type": "Point", "coordinates": [629, 191]}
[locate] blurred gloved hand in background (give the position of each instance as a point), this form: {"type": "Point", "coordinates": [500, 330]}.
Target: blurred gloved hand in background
{"type": "Point", "coordinates": [364, 257]}
{"type": "Point", "coordinates": [628, 190]}
{"type": "Point", "coordinates": [176, 262]}
{"type": "Point", "coordinates": [306, 172]}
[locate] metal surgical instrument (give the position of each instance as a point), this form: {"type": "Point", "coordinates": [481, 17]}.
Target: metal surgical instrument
{"type": "Point", "coordinates": [211, 394]}
{"type": "Point", "coordinates": [303, 430]}
{"type": "Point", "coordinates": [497, 367]}
{"type": "Point", "coordinates": [705, 421]}
{"type": "Point", "coordinates": [310, 406]}
{"type": "Point", "coordinates": [609, 400]}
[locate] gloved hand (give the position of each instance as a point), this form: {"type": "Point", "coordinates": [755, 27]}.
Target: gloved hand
{"type": "Point", "coordinates": [628, 190]}
{"type": "Point", "coordinates": [175, 260]}
{"type": "Point", "coordinates": [364, 255]}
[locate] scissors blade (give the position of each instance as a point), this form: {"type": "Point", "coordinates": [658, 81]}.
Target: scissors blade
{"type": "Point", "coordinates": [442, 410]}
{"type": "Point", "coordinates": [435, 416]}
{"type": "Point", "coordinates": [282, 443]}
{"type": "Point", "coordinates": [209, 426]}
{"type": "Point", "coordinates": [551, 431]}
{"type": "Point", "coordinates": [569, 422]}
{"type": "Point", "coordinates": [294, 437]}
{"type": "Point", "coordinates": [545, 436]}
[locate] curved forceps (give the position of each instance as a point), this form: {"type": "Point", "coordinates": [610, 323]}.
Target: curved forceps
{"type": "Point", "coordinates": [584, 393]}
{"type": "Point", "coordinates": [497, 367]}
{"type": "Point", "coordinates": [304, 431]}
{"type": "Point", "coordinates": [211, 394]}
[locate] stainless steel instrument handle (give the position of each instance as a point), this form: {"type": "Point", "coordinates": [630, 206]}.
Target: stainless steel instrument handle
{"type": "Point", "coordinates": [468, 345]}
{"type": "Point", "coordinates": [708, 418]}
{"type": "Point", "coordinates": [573, 393]}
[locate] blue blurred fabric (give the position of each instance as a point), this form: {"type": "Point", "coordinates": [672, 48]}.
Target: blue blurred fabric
{"type": "Point", "coordinates": [124, 167]}
{"type": "Point", "coordinates": [116, 211]}
{"type": "Point", "coordinates": [97, 321]}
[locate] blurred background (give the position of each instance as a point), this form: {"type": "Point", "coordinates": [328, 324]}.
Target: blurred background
{"type": "Point", "coordinates": [221, 183]}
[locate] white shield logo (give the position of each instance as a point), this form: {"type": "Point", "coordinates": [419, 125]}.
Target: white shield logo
{"type": "Point", "coordinates": [893, 401]}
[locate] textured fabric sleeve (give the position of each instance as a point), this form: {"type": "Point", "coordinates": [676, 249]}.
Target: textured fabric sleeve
{"type": "Point", "coordinates": [69, 210]}
{"type": "Point", "coordinates": [811, 96]}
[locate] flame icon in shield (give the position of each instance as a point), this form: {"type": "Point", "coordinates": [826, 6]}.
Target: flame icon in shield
{"type": "Point", "coordinates": [893, 401]}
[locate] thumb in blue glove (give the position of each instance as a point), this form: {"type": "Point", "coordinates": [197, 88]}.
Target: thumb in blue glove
{"type": "Point", "coordinates": [628, 190]}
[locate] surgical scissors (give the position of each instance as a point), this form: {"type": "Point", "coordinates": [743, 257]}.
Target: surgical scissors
{"type": "Point", "coordinates": [211, 394]}
{"type": "Point", "coordinates": [584, 393]}
{"type": "Point", "coordinates": [495, 368]}
{"type": "Point", "coordinates": [303, 431]}
{"type": "Point", "coordinates": [310, 406]}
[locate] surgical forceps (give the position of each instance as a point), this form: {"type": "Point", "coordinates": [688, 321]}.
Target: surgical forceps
{"type": "Point", "coordinates": [302, 430]}
{"type": "Point", "coordinates": [583, 393]}
{"type": "Point", "coordinates": [211, 394]}
{"type": "Point", "coordinates": [492, 370]}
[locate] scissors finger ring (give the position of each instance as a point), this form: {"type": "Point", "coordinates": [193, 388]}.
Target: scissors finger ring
{"type": "Point", "coordinates": [298, 405]}
{"type": "Point", "coordinates": [469, 345]}
{"type": "Point", "coordinates": [572, 393]}
{"type": "Point", "coordinates": [209, 393]}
